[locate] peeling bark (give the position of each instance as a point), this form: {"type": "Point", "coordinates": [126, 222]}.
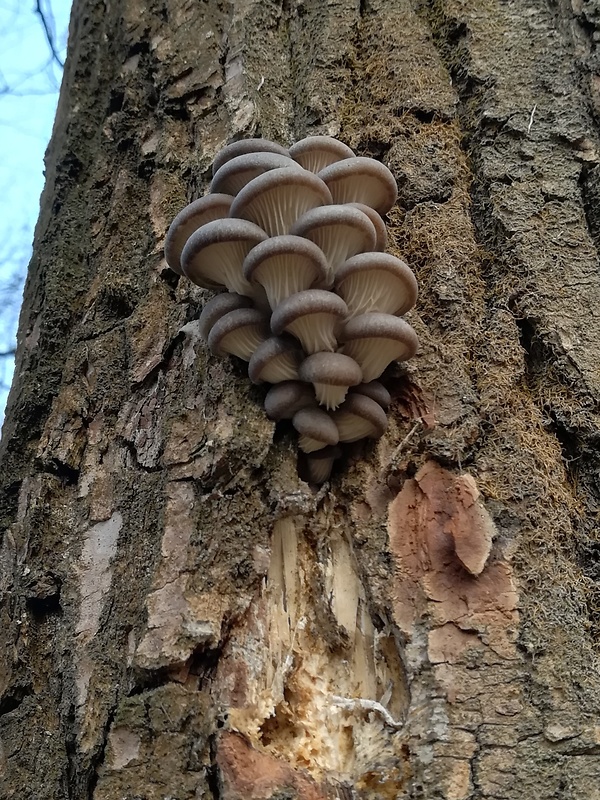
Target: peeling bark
{"type": "Point", "coordinates": [181, 615]}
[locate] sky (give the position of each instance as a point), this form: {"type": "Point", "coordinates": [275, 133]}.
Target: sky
{"type": "Point", "coordinates": [29, 83]}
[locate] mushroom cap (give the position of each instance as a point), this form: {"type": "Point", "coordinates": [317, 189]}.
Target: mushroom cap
{"type": "Point", "coordinates": [316, 429]}
{"type": "Point", "coordinates": [205, 209]}
{"type": "Point", "coordinates": [379, 225]}
{"type": "Point", "coordinates": [313, 317]}
{"type": "Point", "coordinates": [214, 254]}
{"type": "Point", "coordinates": [376, 391]}
{"type": "Point", "coordinates": [217, 307]}
{"type": "Point", "coordinates": [360, 417]}
{"type": "Point", "coordinates": [238, 171]}
{"type": "Point", "coordinates": [340, 231]}
{"type": "Point", "coordinates": [361, 180]}
{"type": "Point", "coordinates": [284, 399]}
{"type": "Point", "coordinates": [238, 333]}
{"type": "Point", "coordinates": [320, 463]}
{"type": "Point", "coordinates": [316, 152]}
{"type": "Point", "coordinates": [376, 282]}
{"type": "Point", "coordinates": [331, 374]}
{"type": "Point", "coordinates": [244, 146]}
{"type": "Point", "coordinates": [275, 199]}
{"type": "Point", "coordinates": [374, 340]}
{"type": "Point", "coordinates": [284, 265]}
{"type": "Point", "coordinates": [276, 359]}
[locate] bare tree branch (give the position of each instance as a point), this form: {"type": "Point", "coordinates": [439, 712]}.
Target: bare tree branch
{"type": "Point", "coordinates": [49, 33]}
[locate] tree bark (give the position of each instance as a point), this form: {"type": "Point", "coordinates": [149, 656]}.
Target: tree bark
{"type": "Point", "coordinates": [181, 615]}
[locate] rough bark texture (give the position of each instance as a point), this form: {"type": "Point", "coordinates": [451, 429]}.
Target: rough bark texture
{"type": "Point", "coordinates": [182, 617]}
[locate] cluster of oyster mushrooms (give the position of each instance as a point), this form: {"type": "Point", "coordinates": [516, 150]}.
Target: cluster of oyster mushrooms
{"type": "Point", "coordinates": [294, 242]}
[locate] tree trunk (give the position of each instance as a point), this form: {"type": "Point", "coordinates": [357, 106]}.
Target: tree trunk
{"type": "Point", "coordinates": [182, 616]}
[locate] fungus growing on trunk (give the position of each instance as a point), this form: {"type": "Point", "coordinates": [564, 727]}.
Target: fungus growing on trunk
{"type": "Point", "coordinates": [284, 265]}
{"type": "Point", "coordinates": [276, 199]}
{"type": "Point", "coordinates": [189, 219]}
{"type": "Point", "coordinates": [313, 301]}
{"type": "Point", "coordinates": [331, 374]}
{"type": "Point", "coordinates": [316, 152]}
{"type": "Point", "coordinates": [313, 317]}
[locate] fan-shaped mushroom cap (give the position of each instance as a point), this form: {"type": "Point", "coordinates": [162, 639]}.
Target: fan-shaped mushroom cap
{"type": "Point", "coordinates": [331, 374]}
{"type": "Point", "coordinates": [376, 282]}
{"type": "Point", "coordinates": [340, 231]}
{"type": "Point", "coordinates": [359, 418]}
{"type": "Point", "coordinates": [217, 307]}
{"type": "Point", "coordinates": [277, 198]}
{"type": "Point", "coordinates": [320, 463]}
{"type": "Point", "coordinates": [376, 391]}
{"type": "Point", "coordinates": [205, 209]}
{"type": "Point", "coordinates": [361, 180]}
{"type": "Point", "coordinates": [239, 333]}
{"type": "Point", "coordinates": [275, 360]}
{"type": "Point", "coordinates": [244, 146]}
{"type": "Point", "coordinates": [214, 254]}
{"type": "Point", "coordinates": [313, 317]}
{"type": "Point", "coordinates": [284, 265]}
{"type": "Point", "coordinates": [374, 340]}
{"type": "Point", "coordinates": [316, 429]}
{"type": "Point", "coordinates": [238, 171]}
{"type": "Point", "coordinates": [316, 152]}
{"type": "Point", "coordinates": [284, 399]}
{"type": "Point", "coordinates": [379, 225]}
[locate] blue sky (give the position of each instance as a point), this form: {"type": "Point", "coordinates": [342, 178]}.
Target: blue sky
{"type": "Point", "coordinates": [29, 84]}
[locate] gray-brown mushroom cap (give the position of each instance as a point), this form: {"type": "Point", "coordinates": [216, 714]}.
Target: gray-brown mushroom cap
{"type": "Point", "coordinates": [361, 180]}
{"type": "Point", "coordinates": [360, 417]}
{"type": "Point", "coordinates": [275, 360]}
{"type": "Point", "coordinates": [375, 340]}
{"type": "Point", "coordinates": [193, 216]}
{"type": "Point", "coordinates": [376, 282]}
{"type": "Point", "coordinates": [276, 199]}
{"type": "Point", "coordinates": [217, 307]}
{"type": "Point", "coordinates": [238, 333]}
{"type": "Point", "coordinates": [284, 399]}
{"type": "Point", "coordinates": [376, 391]}
{"type": "Point", "coordinates": [316, 152]}
{"type": "Point", "coordinates": [331, 374]}
{"type": "Point", "coordinates": [340, 231]}
{"type": "Point", "coordinates": [313, 317]}
{"type": "Point", "coordinates": [316, 429]}
{"type": "Point", "coordinates": [238, 171]}
{"type": "Point", "coordinates": [319, 463]}
{"type": "Point", "coordinates": [244, 146]}
{"type": "Point", "coordinates": [214, 254]}
{"type": "Point", "coordinates": [285, 265]}
{"type": "Point", "coordinates": [379, 225]}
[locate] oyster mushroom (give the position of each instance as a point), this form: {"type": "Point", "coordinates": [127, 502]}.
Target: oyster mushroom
{"type": "Point", "coordinates": [361, 180]}
{"type": "Point", "coordinates": [284, 399]}
{"type": "Point", "coordinates": [316, 152]}
{"type": "Point", "coordinates": [275, 199]}
{"type": "Point", "coordinates": [239, 333]}
{"type": "Point", "coordinates": [284, 265]}
{"type": "Point", "coordinates": [238, 171]}
{"type": "Point", "coordinates": [194, 216]}
{"type": "Point", "coordinates": [275, 360]}
{"type": "Point", "coordinates": [340, 232]}
{"type": "Point", "coordinates": [376, 282]}
{"type": "Point", "coordinates": [313, 317]}
{"type": "Point", "coordinates": [214, 254]}
{"type": "Point", "coordinates": [331, 374]}
{"type": "Point", "coordinates": [316, 429]}
{"type": "Point", "coordinates": [360, 417]}
{"type": "Point", "coordinates": [217, 307]}
{"type": "Point", "coordinates": [244, 146]}
{"type": "Point", "coordinates": [375, 340]}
